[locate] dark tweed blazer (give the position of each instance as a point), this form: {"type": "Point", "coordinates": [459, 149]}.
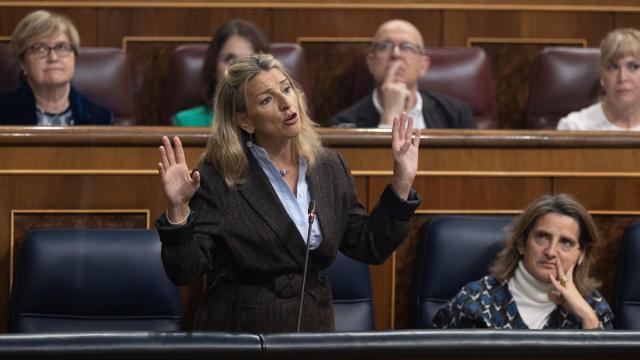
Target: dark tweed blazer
{"type": "Point", "coordinates": [439, 111]}
{"type": "Point", "coordinates": [253, 255]}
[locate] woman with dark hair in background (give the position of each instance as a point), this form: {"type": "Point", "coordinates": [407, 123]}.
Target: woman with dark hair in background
{"type": "Point", "coordinates": [235, 39]}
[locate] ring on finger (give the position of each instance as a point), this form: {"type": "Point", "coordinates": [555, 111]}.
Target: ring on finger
{"type": "Point", "coordinates": [563, 281]}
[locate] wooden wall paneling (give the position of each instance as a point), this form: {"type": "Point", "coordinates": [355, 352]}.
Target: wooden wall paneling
{"type": "Point", "coordinates": [382, 276]}
{"type": "Point", "coordinates": [523, 161]}
{"type": "Point", "coordinates": [622, 20]}
{"type": "Point", "coordinates": [602, 194]}
{"type": "Point", "coordinates": [459, 25]}
{"type": "Point", "coordinates": [591, 26]}
{"type": "Point", "coordinates": [611, 226]}
{"type": "Point", "coordinates": [373, 159]}
{"type": "Point", "coordinates": [149, 58]}
{"type": "Point", "coordinates": [116, 23]}
{"type": "Point", "coordinates": [471, 193]}
{"type": "Point", "coordinates": [331, 63]}
{"type": "Point", "coordinates": [511, 69]}
{"type": "Point", "coordinates": [84, 19]}
{"type": "Point", "coordinates": [148, 36]}
{"type": "Point", "coordinates": [349, 22]}
{"type": "Point", "coordinates": [109, 160]}
{"type": "Point", "coordinates": [512, 39]}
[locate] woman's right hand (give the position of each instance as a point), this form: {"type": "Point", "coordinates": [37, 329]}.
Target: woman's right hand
{"type": "Point", "coordinates": [178, 183]}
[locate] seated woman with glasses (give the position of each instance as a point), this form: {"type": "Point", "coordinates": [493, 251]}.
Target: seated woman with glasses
{"type": "Point", "coordinates": [46, 45]}
{"type": "Point", "coordinates": [541, 279]}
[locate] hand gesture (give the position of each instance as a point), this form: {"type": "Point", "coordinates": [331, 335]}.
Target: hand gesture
{"type": "Point", "coordinates": [567, 295]}
{"type": "Point", "coordinates": [178, 183]}
{"type": "Point", "coordinates": [395, 96]}
{"type": "Point", "coordinates": [405, 144]}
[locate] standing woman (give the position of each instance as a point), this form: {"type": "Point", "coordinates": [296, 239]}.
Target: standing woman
{"type": "Point", "coordinates": [233, 40]}
{"type": "Point", "coordinates": [46, 45]}
{"type": "Point", "coordinates": [241, 218]}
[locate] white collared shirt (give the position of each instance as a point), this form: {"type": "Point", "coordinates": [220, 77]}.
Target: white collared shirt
{"type": "Point", "coordinates": [416, 112]}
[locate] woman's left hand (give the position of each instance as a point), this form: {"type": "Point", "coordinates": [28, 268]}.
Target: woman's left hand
{"type": "Point", "coordinates": [405, 144]}
{"type": "Point", "coordinates": [567, 295]}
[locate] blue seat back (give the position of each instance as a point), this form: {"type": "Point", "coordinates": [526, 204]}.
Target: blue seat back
{"type": "Point", "coordinates": [352, 294]}
{"type": "Point", "coordinates": [70, 280]}
{"type": "Point", "coordinates": [453, 251]}
{"type": "Point", "coordinates": [627, 308]}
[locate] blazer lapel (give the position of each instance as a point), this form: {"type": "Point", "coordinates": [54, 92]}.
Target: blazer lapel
{"type": "Point", "coordinates": [259, 194]}
{"type": "Point", "coordinates": [322, 192]}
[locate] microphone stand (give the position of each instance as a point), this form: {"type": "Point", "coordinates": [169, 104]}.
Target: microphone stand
{"type": "Point", "coordinates": [312, 215]}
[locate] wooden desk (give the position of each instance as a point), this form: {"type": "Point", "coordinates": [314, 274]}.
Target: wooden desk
{"type": "Point", "coordinates": [106, 177]}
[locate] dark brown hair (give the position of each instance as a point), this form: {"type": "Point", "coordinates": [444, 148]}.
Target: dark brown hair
{"type": "Point", "coordinates": [243, 28]}
{"type": "Point", "coordinates": [563, 204]}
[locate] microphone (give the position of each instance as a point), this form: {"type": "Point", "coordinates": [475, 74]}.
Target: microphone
{"type": "Point", "coordinates": [312, 215]}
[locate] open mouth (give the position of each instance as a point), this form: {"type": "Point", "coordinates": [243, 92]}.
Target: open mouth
{"type": "Point", "coordinates": [291, 119]}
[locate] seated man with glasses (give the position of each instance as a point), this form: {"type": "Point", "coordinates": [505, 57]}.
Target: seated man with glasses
{"type": "Point", "coordinates": [396, 60]}
{"type": "Point", "coordinates": [46, 46]}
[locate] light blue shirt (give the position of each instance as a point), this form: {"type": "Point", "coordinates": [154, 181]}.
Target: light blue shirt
{"type": "Point", "coordinates": [296, 206]}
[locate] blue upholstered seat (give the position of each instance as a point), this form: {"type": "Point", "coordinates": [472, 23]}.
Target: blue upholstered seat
{"type": "Point", "coordinates": [453, 251]}
{"type": "Point", "coordinates": [70, 280]}
{"type": "Point", "coordinates": [627, 310]}
{"type": "Point", "coordinates": [352, 295]}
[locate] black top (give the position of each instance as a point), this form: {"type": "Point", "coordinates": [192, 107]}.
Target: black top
{"type": "Point", "coordinates": [439, 111]}
{"type": "Point", "coordinates": [18, 107]}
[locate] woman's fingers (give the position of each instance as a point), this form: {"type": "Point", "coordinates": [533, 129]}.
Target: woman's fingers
{"type": "Point", "coordinates": [161, 170]}
{"type": "Point", "coordinates": [395, 130]}
{"type": "Point", "coordinates": [168, 149]}
{"type": "Point", "coordinates": [163, 157]}
{"type": "Point", "coordinates": [180, 159]}
{"type": "Point", "coordinates": [559, 270]}
{"type": "Point", "coordinates": [415, 140]}
{"type": "Point", "coordinates": [195, 178]}
{"type": "Point", "coordinates": [409, 129]}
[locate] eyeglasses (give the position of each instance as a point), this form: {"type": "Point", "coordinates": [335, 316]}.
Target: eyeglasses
{"type": "Point", "coordinates": [387, 47]}
{"type": "Point", "coordinates": [41, 50]}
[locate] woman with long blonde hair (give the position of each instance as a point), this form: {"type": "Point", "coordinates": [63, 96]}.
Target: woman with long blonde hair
{"type": "Point", "coordinates": [241, 217]}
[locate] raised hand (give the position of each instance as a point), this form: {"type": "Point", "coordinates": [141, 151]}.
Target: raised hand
{"type": "Point", "coordinates": [395, 96]}
{"type": "Point", "coordinates": [567, 295]}
{"type": "Point", "coordinates": [405, 144]}
{"type": "Point", "coordinates": [178, 183]}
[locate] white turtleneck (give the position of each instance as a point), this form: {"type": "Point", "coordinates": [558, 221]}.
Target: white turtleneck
{"type": "Point", "coordinates": [532, 297]}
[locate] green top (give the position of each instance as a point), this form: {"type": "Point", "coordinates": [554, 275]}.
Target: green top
{"type": "Point", "coordinates": [197, 116]}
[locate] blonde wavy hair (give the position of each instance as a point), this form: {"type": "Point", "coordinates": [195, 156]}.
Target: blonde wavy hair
{"type": "Point", "coordinates": [507, 260]}
{"type": "Point", "coordinates": [225, 147]}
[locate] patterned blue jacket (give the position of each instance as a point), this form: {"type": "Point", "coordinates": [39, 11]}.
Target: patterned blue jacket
{"type": "Point", "coordinates": [487, 303]}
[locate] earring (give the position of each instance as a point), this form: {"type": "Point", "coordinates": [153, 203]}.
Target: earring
{"type": "Point", "coordinates": [250, 141]}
